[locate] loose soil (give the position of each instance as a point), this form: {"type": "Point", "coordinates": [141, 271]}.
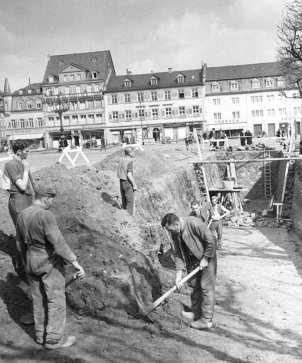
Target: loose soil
{"type": "Point", "coordinates": [258, 300]}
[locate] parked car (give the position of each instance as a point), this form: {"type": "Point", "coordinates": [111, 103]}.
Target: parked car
{"type": "Point", "coordinates": [89, 144]}
{"type": "Point", "coordinates": [166, 140]}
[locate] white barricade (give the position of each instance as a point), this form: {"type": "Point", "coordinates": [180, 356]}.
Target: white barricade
{"type": "Point", "coordinates": [78, 151]}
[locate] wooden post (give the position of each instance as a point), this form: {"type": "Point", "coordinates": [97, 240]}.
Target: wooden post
{"type": "Point", "coordinates": [197, 143]}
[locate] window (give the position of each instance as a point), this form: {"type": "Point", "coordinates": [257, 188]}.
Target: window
{"type": "Point", "coordinates": [216, 101]}
{"type": "Point", "coordinates": [50, 79]}
{"type": "Point", "coordinates": [255, 84]}
{"type": "Point", "coordinates": [72, 77]}
{"type": "Point", "coordinates": [271, 112]}
{"type": "Point", "coordinates": [29, 106]}
{"type": "Point", "coordinates": [13, 123]}
{"type": "Point", "coordinates": [114, 99]}
{"type": "Point", "coordinates": [195, 110]}
{"type": "Point", "coordinates": [128, 114]}
{"type": "Point", "coordinates": [217, 116]}
{"type": "Point", "coordinates": [270, 98]}
{"type": "Point", "coordinates": [20, 106]}
{"type": "Point", "coordinates": [93, 60]}
{"type": "Point", "coordinates": [78, 77]}
{"type": "Point", "coordinates": [22, 123]}
{"type": "Point", "coordinates": [78, 89]}
{"type": "Point", "coordinates": [215, 87]}
{"type": "Point", "coordinates": [167, 95]}
{"type": "Point", "coordinates": [195, 92]}
{"type": "Point", "coordinates": [75, 118]}
{"type": "Point", "coordinates": [83, 118]}
{"type": "Point", "coordinates": [155, 112]}
{"type": "Point", "coordinates": [38, 104]}
{"type": "Point", "coordinates": [96, 88]}
{"type": "Point", "coordinates": [66, 90]}
{"type": "Point", "coordinates": [257, 113]}
{"type": "Point", "coordinates": [153, 81]}
{"type": "Point", "coordinates": [29, 91]}
{"type": "Point", "coordinates": [154, 95]}
{"type": "Point", "coordinates": [282, 111]}
{"type": "Point", "coordinates": [235, 114]}
{"type": "Point", "coordinates": [65, 78]}
{"type": "Point", "coordinates": [82, 105]}
{"type": "Point", "coordinates": [141, 113]}
{"type": "Point", "coordinates": [235, 100]}
{"type": "Point", "coordinates": [94, 75]}
{"type": "Point", "coordinates": [140, 97]}
{"type": "Point", "coordinates": [168, 111]}
{"type": "Point", "coordinates": [127, 97]}
{"type": "Point", "coordinates": [31, 122]}
{"type": "Point", "coordinates": [181, 93]}
{"type": "Point", "coordinates": [280, 83]}
{"type": "Point", "coordinates": [234, 86]}
{"type": "Point", "coordinates": [40, 122]}
{"type": "Point", "coordinates": [182, 111]}
{"type": "Point", "coordinates": [180, 78]}
{"type": "Point", "coordinates": [127, 83]}
{"type": "Point", "coordinates": [269, 82]}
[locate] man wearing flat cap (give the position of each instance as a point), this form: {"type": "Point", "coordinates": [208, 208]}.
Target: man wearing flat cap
{"type": "Point", "coordinates": [41, 241]}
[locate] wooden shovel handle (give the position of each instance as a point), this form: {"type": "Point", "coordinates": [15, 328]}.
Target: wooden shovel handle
{"type": "Point", "coordinates": [169, 292]}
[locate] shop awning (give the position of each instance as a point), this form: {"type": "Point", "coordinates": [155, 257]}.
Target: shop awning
{"type": "Point", "coordinates": [227, 126]}
{"type": "Point", "coordinates": [26, 137]}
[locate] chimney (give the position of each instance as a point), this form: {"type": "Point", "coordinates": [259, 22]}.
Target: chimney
{"type": "Point", "coordinates": [29, 81]}
{"type": "Point", "coordinates": [170, 70]}
{"type": "Point", "coordinates": [152, 72]}
{"type": "Point", "coordinates": [203, 72]}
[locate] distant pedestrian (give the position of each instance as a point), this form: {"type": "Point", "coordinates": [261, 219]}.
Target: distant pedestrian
{"type": "Point", "coordinates": [217, 213]}
{"type": "Point", "coordinates": [212, 137]}
{"type": "Point", "coordinates": [46, 252]}
{"type": "Point", "coordinates": [103, 144]}
{"type": "Point", "coordinates": [17, 175]}
{"type": "Point", "coordinates": [222, 136]}
{"type": "Point", "coordinates": [249, 138]}
{"type": "Point", "coordinates": [128, 186]}
{"type": "Point", "coordinates": [242, 139]}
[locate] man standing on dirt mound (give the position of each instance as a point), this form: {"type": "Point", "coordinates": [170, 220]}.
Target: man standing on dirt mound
{"type": "Point", "coordinates": [194, 244]}
{"type": "Point", "coordinates": [46, 251]}
{"type": "Point", "coordinates": [127, 183]}
{"type": "Point", "coordinates": [17, 178]}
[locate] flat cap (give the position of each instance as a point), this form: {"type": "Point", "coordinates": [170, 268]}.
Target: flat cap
{"type": "Point", "coordinates": [44, 192]}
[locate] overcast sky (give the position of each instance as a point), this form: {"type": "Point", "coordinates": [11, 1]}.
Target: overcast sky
{"type": "Point", "coordinates": [143, 35]}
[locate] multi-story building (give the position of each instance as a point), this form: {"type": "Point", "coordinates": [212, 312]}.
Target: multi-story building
{"type": "Point", "coordinates": [73, 87]}
{"type": "Point", "coordinates": [24, 114]}
{"type": "Point", "coordinates": [251, 96]}
{"type": "Point", "coordinates": [2, 121]}
{"type": "Point", "coordinates": [154, 105]}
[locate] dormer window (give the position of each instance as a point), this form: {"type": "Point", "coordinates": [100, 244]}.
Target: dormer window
{"type": "Point", "coordinates": [280, 83]}
{"type": "Point", "coordinates": [29, 91]}
{"type": "Point", "coordinates": [269, 83]}
{"type": "Point", "coordinates": [153, 81]}
{"type": "Point", "coordinates": [127, 83]}
{"type": "Point", "coordinates": [61, 62]}
{"type": "Point", "coordinates": [93, 60]}
{"type": "Point", "coordinates": [180, 78]}
{"type": "Point", "coordinates": [20, 106]}
{"type": "Point", "coordinates": [234, 86]}
{"type": "Point", "coordinates": [65, 78]}
{"type": "Point", "coordinates": [20, 92]}
{"type": "Point", "coordinates": [255, 84]}
{"type": "Point", "coordinates": [50, 79]}
{"type": "Point", "coordinates": [94, 75]}
{"type": "Point", "coordinates": [215, 87]}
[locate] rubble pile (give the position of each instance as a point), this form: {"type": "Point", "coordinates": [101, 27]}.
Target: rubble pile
{"type": "Point", "coordinates": [240, 219]}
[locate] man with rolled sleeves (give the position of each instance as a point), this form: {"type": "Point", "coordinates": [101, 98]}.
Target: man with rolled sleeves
{"type": "Point", "coordinates": [17, 177]}
{"type": "Point", "coordinates": [194, 245]}
{"type": "Point", "coordinates": [46, 251]}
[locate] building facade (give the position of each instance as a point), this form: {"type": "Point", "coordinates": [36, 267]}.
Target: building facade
{"type": "Point", "coordinates": [251, 97]}
{"type": "Point", "coordinates": [24, 116]}
{"type": "Point", "coordinates": [154, 105]}
{"type": "Point", "coordinates": [73, 88]}
{"type": "Point", "coordinates": [2, 122]}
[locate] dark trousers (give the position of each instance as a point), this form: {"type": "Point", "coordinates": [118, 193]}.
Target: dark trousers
{"type": "Point", "coordinates": [16, 203]}
{"type": "Point", "coordinates": [216, 226]}
{"type": "Point", "coordinates": [47, 285]}
{"type": "Point", "coordinates": [127, 194]}
{"type": "Point", "coordinates": [203, 291]}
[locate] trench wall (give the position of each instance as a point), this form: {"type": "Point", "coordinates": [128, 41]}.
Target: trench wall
{"type": "Point", "coordinates": [297, 199]}
{"type": "Point", "coordinates": [249, 175]}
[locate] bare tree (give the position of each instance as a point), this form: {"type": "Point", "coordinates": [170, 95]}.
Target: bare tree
{"type": "Point", "coordinates": [290, 46]}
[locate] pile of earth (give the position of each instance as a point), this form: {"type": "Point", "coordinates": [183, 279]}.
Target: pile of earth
{"type": "Point", "coordinates": [119, 253]}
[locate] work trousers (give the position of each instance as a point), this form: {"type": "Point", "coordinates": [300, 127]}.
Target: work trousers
{"type": "Point", "coordinates": [16, 203]}
{"type": "Point", "coordinates": [127, 194]}
{"type": "Point", "coordinates": [47, 285]}
{"type": "Point", "coordinates": [203, 291]}
{"type": "Point", "coordinates": [216, 226]}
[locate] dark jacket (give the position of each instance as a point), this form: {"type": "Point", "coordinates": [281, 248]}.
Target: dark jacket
{"type": "Point", "coordinates": [198, 239]}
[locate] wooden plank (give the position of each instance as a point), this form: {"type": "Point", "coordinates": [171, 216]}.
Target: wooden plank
{"type": "Point", "coordinates": [206, 183]}
{"type": "Point", "coordinates": [197, 143]}
{"type": "Point", "coordinates": [243, 160]}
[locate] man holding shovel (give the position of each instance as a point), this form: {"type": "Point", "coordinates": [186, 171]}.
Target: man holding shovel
{"type": "Point", "coordinates": [194, 245]}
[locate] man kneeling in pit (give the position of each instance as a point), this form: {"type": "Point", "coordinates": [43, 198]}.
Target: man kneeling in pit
{"type": "Point", "coordinates": [194, 244]}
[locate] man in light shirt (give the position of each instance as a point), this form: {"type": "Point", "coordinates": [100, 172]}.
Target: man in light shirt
{"type": "Point", "coordinates": [217, 213]}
